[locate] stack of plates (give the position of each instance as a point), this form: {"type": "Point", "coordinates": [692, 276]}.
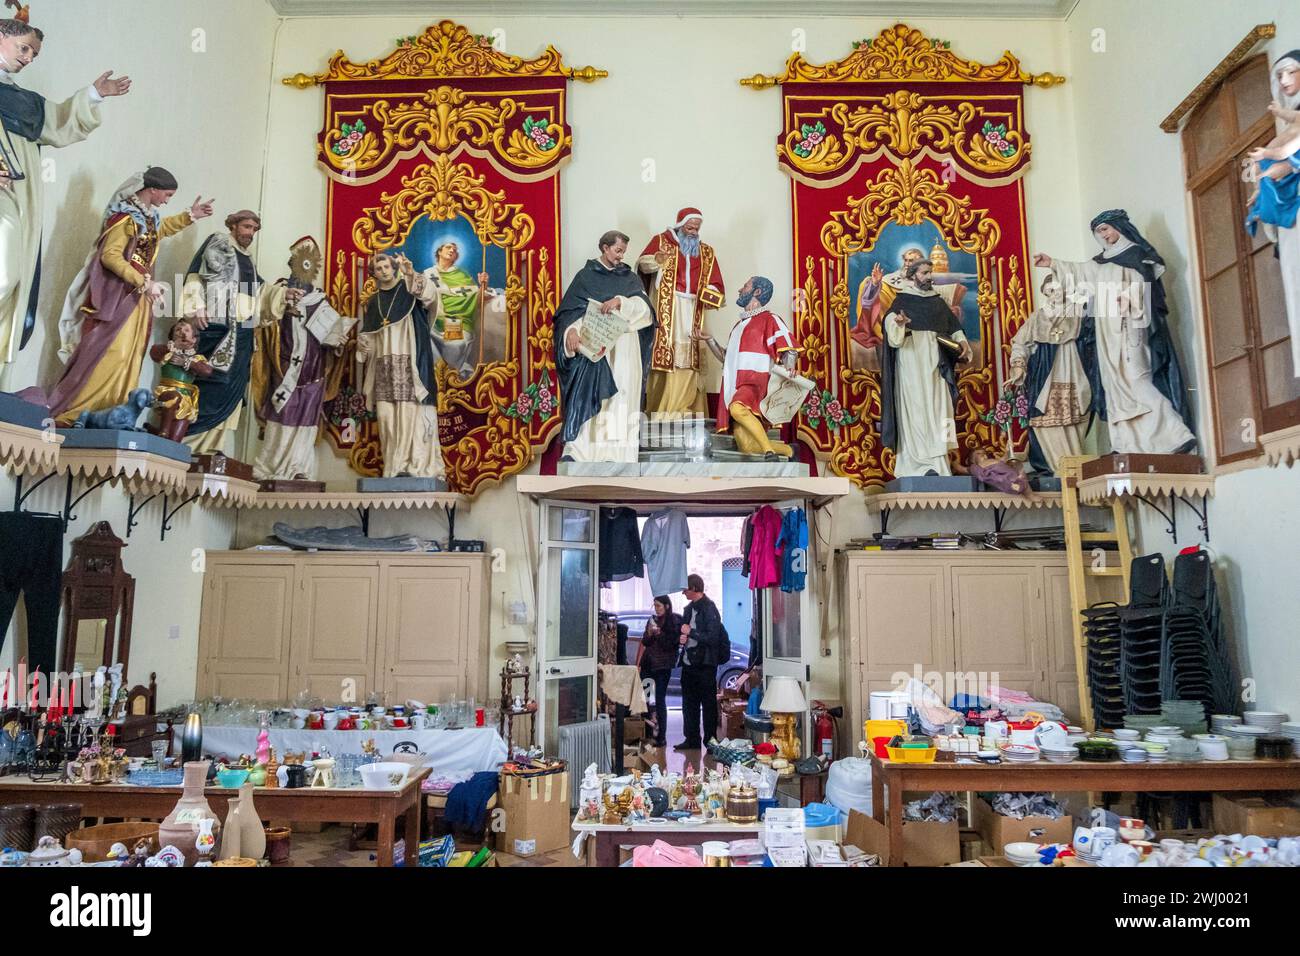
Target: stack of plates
{"type": "Point", "coordinates": [1019, 753]}
{"type": "Point", "coordinates": [1241, 748]}
{"type": "Point", "coordinates": [1271, 720]}
{"type": "Point", "coordinates": [1065, 753]}
{"type": "Point", "coordinates": [1022, 854]}
{"type": "Point", "coordinates": [1246, 731]}
{"type": "Point", "coordinates": [1187, 714]}
{"type": "Point", "coordinates": [1292, 730]}
{"type": "Point", "coordinates": [1183, 750]}
{"type": "Point", "coordinates": [1133, 755]}
{"type": "Point", "coordinates": [1222, 723]}
{"type": "Point", "coordinates": [1156, 753]}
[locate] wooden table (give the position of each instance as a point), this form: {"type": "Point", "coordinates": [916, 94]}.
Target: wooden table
{"type": "Point", "coordinates": [1078, 776]}
{"type": "Point", "coordinates": [313, 805]}
{"type": "Point", "coordinates": [611, 837]}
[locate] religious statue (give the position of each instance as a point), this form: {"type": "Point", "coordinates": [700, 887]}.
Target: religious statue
{"type": "Point", "coordinates": [176, 397]}
{"type": "Point", "coordinates": [221, 295]}
{"type": "Point", "coordinates": [683, 279]}
{"type": "Point", "coordinates": [398, 348]}
{"type": "Point", "coordinates": [877, 291]}
{"type": "Point", "coordinates": [918, 385]}
{"type": "Point", "coordinates": [1054, 372]}
{"type": "Point", "coordinates": [760, 342]}
{"type": "Point", "coordinates": [30, 122]}
{"type": "Point", "coordinates": [602, 385]}
{"type": "Point", "coordinates": [459, 310]}
{"type": "Point", "coordinates": [108, 313]}
{"type": "Point", "coordinates": [1275, 169]}
{"type": "Point", "coordinates": [1139, 390]}
{"type": "Point", "coordinates": [298, 337]}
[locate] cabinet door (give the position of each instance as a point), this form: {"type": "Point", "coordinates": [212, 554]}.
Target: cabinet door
{"type": "Point", "coordinates": [1062, 675]}
{"type": "Point", "coordinates": [904, 624]}
{"type": "Point", "coordinates": [1000, 626]}
{"type": "Point", "coordinates": [244, 631]}
{"type": "Point", "coordinates": [426, 633]}
{"type": "Point", "coordinates": [336, 630]}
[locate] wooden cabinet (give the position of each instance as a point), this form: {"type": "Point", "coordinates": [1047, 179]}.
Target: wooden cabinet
{"type": "Point", "coordinates": [342, 625]}
{"type": "Point", "coordinates": [961, 619]}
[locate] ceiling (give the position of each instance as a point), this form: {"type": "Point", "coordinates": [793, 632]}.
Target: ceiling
{"type": "Point", "coordinates": [915, 9]}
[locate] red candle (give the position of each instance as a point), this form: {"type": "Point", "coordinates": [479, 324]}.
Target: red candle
{"type": "Point", "coordinates": [4, 699]}
{"type": "Point", "coordinates": [36, 682]}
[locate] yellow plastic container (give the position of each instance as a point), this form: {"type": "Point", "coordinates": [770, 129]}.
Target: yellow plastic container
{"type": "Point", "coordinates": [912, 754]}
{"type": "Point", "coordinates": [884, 728]}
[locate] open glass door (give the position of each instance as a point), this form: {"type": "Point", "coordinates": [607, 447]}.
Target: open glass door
{"type": "Point", "coordinates": [787, 648]}
{"type": "Point", "coordinates": [566, 617]}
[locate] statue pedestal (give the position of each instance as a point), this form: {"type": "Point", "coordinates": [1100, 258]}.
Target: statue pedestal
{"type": "Point", "coordinates": [1118, 463]}
{"type": "Point", "coordinates": [940, 484]}
{"type": "Point", "coordinates": [290, 486]}
{"type": "Point", "coordinates": [18, 412]}
{"type": "Point", "coordinates": [222, 465]}
{"type": "Point", "coordinates": [682, 469]}
{"type": "Point", "coordinates": [399, 486]}
{"type": "Point", "coordinates": [119, 440]}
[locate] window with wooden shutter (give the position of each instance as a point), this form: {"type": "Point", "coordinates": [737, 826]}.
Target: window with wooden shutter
{"type": "Point", "coordinates": [1253, 386]}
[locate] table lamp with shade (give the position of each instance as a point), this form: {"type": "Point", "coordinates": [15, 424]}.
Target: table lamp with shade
{"type": "Point", "coordinates": [784, 700]}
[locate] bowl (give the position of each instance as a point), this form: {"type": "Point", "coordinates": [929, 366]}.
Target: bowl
{"type": "Point", "coordinates": [390, 775]}
{"type": "Point", "coordinates": [232, 778]}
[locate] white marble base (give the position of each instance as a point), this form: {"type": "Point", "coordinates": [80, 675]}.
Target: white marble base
{"type": "Point", "coordinates": [598, 469]}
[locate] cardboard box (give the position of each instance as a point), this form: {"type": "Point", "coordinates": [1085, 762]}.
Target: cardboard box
{"type": "Point", "coordinates": [633, 730]}
{"type": "Point", "coordinates": [1266, 815]}
{"type": "Point", "coordinates": [537, 810]}
{"type": "Point", "coordinates": [924, 844]}
{"type": "Point", "coordinates": [997, 831]}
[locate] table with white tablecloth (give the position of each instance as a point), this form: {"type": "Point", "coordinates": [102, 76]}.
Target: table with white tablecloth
{"type": "Point", "coordinates": [469, 749]}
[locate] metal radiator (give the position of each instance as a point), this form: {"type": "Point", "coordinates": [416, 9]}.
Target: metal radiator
{"type": "Point", "coordinates": [582, 745]}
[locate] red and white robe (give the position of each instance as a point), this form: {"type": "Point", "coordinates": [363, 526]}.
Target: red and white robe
{"type": "Point", "coordinates": [757, 342]}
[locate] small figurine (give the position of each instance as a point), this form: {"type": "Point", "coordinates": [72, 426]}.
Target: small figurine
{"type": "Point", "coordinates": [119, 853]}
{"type": "Point", "coordinates": [167, 856]}
{"type": "Point", "coordinates": [176, 397]}
{"type": "Point", "coordinates": [691, 788]}
{"type": "Point", "coordinates": [322, 773]}
{"type": "Point", "coordinates": [612, 816]}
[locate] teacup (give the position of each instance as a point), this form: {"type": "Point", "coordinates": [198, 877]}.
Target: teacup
{"type": "Point", "coordinates": [1103, 837]}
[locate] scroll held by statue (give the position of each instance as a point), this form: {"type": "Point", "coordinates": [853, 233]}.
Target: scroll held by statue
{"type": "Point", "coordinates": [599, 331]}
{"type": "Point", "coordinates": [786, 391]}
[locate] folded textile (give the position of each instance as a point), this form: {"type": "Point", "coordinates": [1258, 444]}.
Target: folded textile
{"type": "Point", "coordinates": [467, 802]}
{"type": "Point", "coordinates": [660, 854]}
{"type": "Point", "coordinates": [444, 782]}
{"type": "Point", "coordinates": [351, 538]}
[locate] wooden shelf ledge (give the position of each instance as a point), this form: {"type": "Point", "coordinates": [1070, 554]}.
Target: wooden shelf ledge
{"type": "Point", "coordinates": [330, 500]}
{"type": "Point", "coordinates": [1105, 488]}
{"type": "Point", "coordinates": [29, 449]}
{"type": "Point", "coordinates": [138, 469]}
{"type": "Point", "coordinates": [221, 490]}
{"type": "Point", "coordinates": [683, 491]}
{"type": "Point", "coordinates": [920, 500]}
{"type": "Point", "coordinates": [1282, 447]}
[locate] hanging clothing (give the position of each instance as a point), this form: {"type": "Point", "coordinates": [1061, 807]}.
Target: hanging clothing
{"type": "Point", "coordinates": [664, 542]}
{"type": "Point", "coordinates": [763, 567]}
{"type": "Point", "coordinates": [746, 542]}
{"type": "Point", "coordinates": [793, 543]}
{"type": "Point", "coordinates": [620, 546]}
{"type": "Point", "coordinates": [31, 564]}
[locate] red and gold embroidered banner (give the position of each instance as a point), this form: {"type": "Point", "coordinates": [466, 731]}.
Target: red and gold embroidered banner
{"type": "Point", "coordinates": [447, 139]}
{"type": "Point", "coordinates": [902, 147]}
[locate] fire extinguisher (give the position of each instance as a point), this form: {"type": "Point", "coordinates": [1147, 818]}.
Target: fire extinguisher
{"type": "Point", "coordinates": [824, 729]}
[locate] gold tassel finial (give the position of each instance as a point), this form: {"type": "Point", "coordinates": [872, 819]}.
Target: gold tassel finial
{"type": "Point", "coordinates": [300, 81]}
{"type": "Point", "coordinates": [759, 81]}
{"type": "Point", "coordinates": [1045, 81]}
{"type": "Point", "coordinates": [589, 74]}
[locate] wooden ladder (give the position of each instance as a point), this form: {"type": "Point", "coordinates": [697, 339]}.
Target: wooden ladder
{"type": "Point", "coordinates": [1086, 561]}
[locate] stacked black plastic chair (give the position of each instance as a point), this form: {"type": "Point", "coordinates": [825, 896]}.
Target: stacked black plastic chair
{"type": "Point", "coordinates": [1194, 662]}
{"type": "Point", "coordinates": [1141, 633]}
{"type": "Point", "coordinates": [1101, 627]}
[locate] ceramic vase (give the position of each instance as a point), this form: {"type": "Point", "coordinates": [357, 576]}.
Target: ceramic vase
{"type": "Point", "coordinates": [252, 837]}
{"type": "Point", "coordinates": [181, 827]}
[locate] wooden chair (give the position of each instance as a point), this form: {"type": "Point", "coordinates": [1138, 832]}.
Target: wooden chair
{"type": "Point", "coordinates": [140, 729]}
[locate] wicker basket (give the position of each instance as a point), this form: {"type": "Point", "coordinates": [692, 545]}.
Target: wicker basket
{"type": "Point", "coordinates": [95, 842]}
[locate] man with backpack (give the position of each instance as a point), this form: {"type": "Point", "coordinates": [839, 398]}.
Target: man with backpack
{"type": "Point", "coordinates": [705, 645]}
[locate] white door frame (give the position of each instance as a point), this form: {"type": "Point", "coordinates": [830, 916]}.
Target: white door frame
{"type": "Point", "coordinates": [549, 671]}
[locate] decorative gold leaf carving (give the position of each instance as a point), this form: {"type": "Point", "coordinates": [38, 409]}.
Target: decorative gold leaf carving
{"type": "Point", "coordinates": [445, 50]}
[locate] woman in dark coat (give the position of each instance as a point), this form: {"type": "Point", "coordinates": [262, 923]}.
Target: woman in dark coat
{"type": "Point", "coordinates": [658, 656]}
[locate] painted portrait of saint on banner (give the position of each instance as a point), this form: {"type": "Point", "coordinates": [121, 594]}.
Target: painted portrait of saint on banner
{"type": "Point", "coordinates": [876, 275]}
{"type": "Point", "coordinates": [473, 276]}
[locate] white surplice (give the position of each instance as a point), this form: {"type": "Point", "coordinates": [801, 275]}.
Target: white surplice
{"type": "Point", "coordinates": [1140, 418]}
{"type": "Point", "coordinates": [923, 404]}
{"type": "Point", "coordinates": [614, 433]}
